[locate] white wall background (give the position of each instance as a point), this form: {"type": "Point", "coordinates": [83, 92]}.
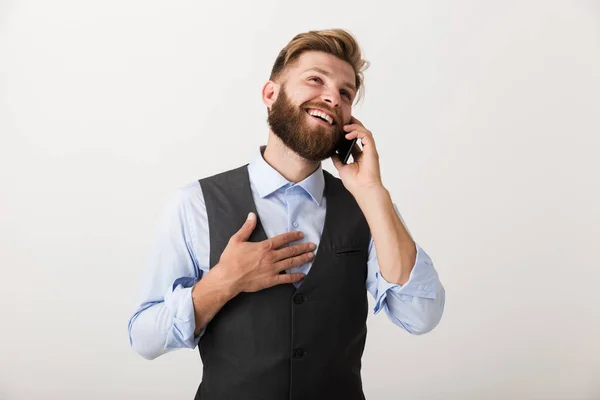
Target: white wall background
{"type": "Point", "coordinates": [487, 117]}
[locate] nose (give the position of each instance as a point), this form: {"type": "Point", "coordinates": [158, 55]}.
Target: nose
{"type": "Point", "coordinates": [331, 97]}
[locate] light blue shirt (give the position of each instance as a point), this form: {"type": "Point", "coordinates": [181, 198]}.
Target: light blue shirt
{"type": "Point", "coordinates": [164, 317]}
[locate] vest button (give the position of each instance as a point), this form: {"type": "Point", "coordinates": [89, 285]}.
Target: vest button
{"type": "Point", "coordinates": [298, 353]}
{"type": "Point", "coordinates": [298, 299]}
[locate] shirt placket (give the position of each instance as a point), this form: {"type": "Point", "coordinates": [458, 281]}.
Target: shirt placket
{"type": "Point", "coordinates": [293, 198]}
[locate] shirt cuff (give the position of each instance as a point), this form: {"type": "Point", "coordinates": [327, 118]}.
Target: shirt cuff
{"type": "Point", "coordinates": [422, 282]}
{"type": "Point", "coordinates": [179, 301]}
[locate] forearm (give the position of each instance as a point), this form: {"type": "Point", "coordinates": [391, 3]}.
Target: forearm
{"type": "Point", "coordinates": [396, 250]}
{"type": "Point", "coordinates": [209, 295]}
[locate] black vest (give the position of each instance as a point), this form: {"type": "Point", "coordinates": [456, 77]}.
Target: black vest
{"type": "Point", "coordinates": [284, 343]}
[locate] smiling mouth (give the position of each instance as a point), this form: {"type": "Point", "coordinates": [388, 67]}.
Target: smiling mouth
{"type": "Point", "coordinates": [319, 119]}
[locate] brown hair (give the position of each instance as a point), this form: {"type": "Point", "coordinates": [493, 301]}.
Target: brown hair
{"type": "Point", "coordinates": [337, 42]}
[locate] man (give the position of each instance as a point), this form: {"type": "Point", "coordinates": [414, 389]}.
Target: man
{"type": "Point", "coordinates": [266, 267]}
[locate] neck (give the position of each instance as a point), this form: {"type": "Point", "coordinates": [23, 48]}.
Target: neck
{"type": "Point", "coordinates": [289, 164]}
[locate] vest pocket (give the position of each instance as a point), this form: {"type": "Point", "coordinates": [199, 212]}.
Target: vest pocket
{"type": "Point", "coordinates": [347, 251]}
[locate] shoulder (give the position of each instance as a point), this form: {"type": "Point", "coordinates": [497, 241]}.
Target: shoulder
{"type": "Point", "coordinates": [191, 191]}
{"type": "Point", "coordinates": [190, 195]}
{"type": "Point", "coordinates": [186, 199]}
{"type": "Point", "coordinates": [226, 175]}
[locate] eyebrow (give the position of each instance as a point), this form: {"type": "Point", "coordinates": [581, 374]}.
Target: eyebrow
{"type": "Point", "coordinates": [328, 74]}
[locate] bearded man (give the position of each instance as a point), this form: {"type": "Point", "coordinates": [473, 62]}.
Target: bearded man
{"type": "Point", "coordinates": [266, 268]}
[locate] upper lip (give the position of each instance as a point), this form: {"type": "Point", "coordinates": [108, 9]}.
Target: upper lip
{"type": "Point", "coordinates": [323, 111]}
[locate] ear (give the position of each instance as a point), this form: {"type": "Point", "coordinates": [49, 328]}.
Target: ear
{"type": "Point", "coordinates": [270, 92]}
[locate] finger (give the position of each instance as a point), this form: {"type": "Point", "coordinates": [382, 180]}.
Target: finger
{"type": "Point", "coordinates": [352, 127]}
{"type": "Point", "coordinates": [337, 163]}
{"type": "Point", "coordinates": [293, 251]}
{"type": "Point", "coordinates": [288, 278]}
{"type": "Point", "coordinates": [359, 132]}
{"type": "Point", "coordinates": [246, 230]}
{"type": "Point", "coordinates": [285, 238]}
{"type": "Point", "coordinates": [292, 262]}
{"type": "Point", "coordinates": [365, 136]}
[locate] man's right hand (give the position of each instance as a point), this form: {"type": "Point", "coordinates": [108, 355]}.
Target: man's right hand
{"type": "Point", "coordinates": [253, 266]}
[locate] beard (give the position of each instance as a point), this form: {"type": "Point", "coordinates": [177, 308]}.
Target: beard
{"type": "Point", "coordinates": [311, 141]}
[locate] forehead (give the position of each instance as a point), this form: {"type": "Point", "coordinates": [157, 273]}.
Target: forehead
{"type": "Point", "coordinates": [338, 69]}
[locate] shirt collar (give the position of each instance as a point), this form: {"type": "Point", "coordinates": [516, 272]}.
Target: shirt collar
{"type": "Point", "coordinates": [267, 180]}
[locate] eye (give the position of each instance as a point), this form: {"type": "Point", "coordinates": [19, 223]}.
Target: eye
{"type": "Point", "coordinates": [343, 92]}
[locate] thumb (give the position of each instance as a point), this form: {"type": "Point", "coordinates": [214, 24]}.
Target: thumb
{"type": "Point", "coordinates": [337, 163]}
{"type": "Point", "coordinates": [246, 230]}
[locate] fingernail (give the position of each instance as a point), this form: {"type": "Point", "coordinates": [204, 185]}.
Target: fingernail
{"type": "Point", "coordinates": [251, 215]}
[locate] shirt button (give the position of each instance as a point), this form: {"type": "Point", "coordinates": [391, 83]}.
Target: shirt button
{"type": "Point", "coordinates": [298, 299]}
{"type": "Point", "coordinates": [298, 353]}
{"type": "Point", "coordinates": [295, 224]}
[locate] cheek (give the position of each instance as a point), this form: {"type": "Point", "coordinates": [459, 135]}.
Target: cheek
{"type": "Point", "coordinates": [297, 99]}
{"type": "Point", "coordinates": [304, 95]}
{"type": "Point", "coordinates": [347, 115]}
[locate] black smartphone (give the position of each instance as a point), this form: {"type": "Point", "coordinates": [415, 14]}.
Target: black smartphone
{"type": "Point", "coordinates": [344, 149]}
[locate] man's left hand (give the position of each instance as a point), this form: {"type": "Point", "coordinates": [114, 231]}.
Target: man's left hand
{"type": "Point", "coordinates": [364, 172]}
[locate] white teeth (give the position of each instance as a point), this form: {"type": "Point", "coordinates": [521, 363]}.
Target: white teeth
{"type": "Point", "coordinates": [322, 115]}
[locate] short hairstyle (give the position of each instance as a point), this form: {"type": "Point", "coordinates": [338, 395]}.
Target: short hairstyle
{"type": "Point", "coordinates": [337, 42]}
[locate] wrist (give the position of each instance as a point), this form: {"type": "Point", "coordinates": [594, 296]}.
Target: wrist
{"type": "Point", "coordinates": [372, 194]}
{"type": "Point", "coordinates": [224, 283]}
{"type": "Point", "coordinates": [209, 294]}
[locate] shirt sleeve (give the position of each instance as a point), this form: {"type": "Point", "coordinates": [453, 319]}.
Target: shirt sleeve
{"type": "Point", "coordinates": [164, 317]}
{"type": "Point", "coordinates": [418, 305]}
